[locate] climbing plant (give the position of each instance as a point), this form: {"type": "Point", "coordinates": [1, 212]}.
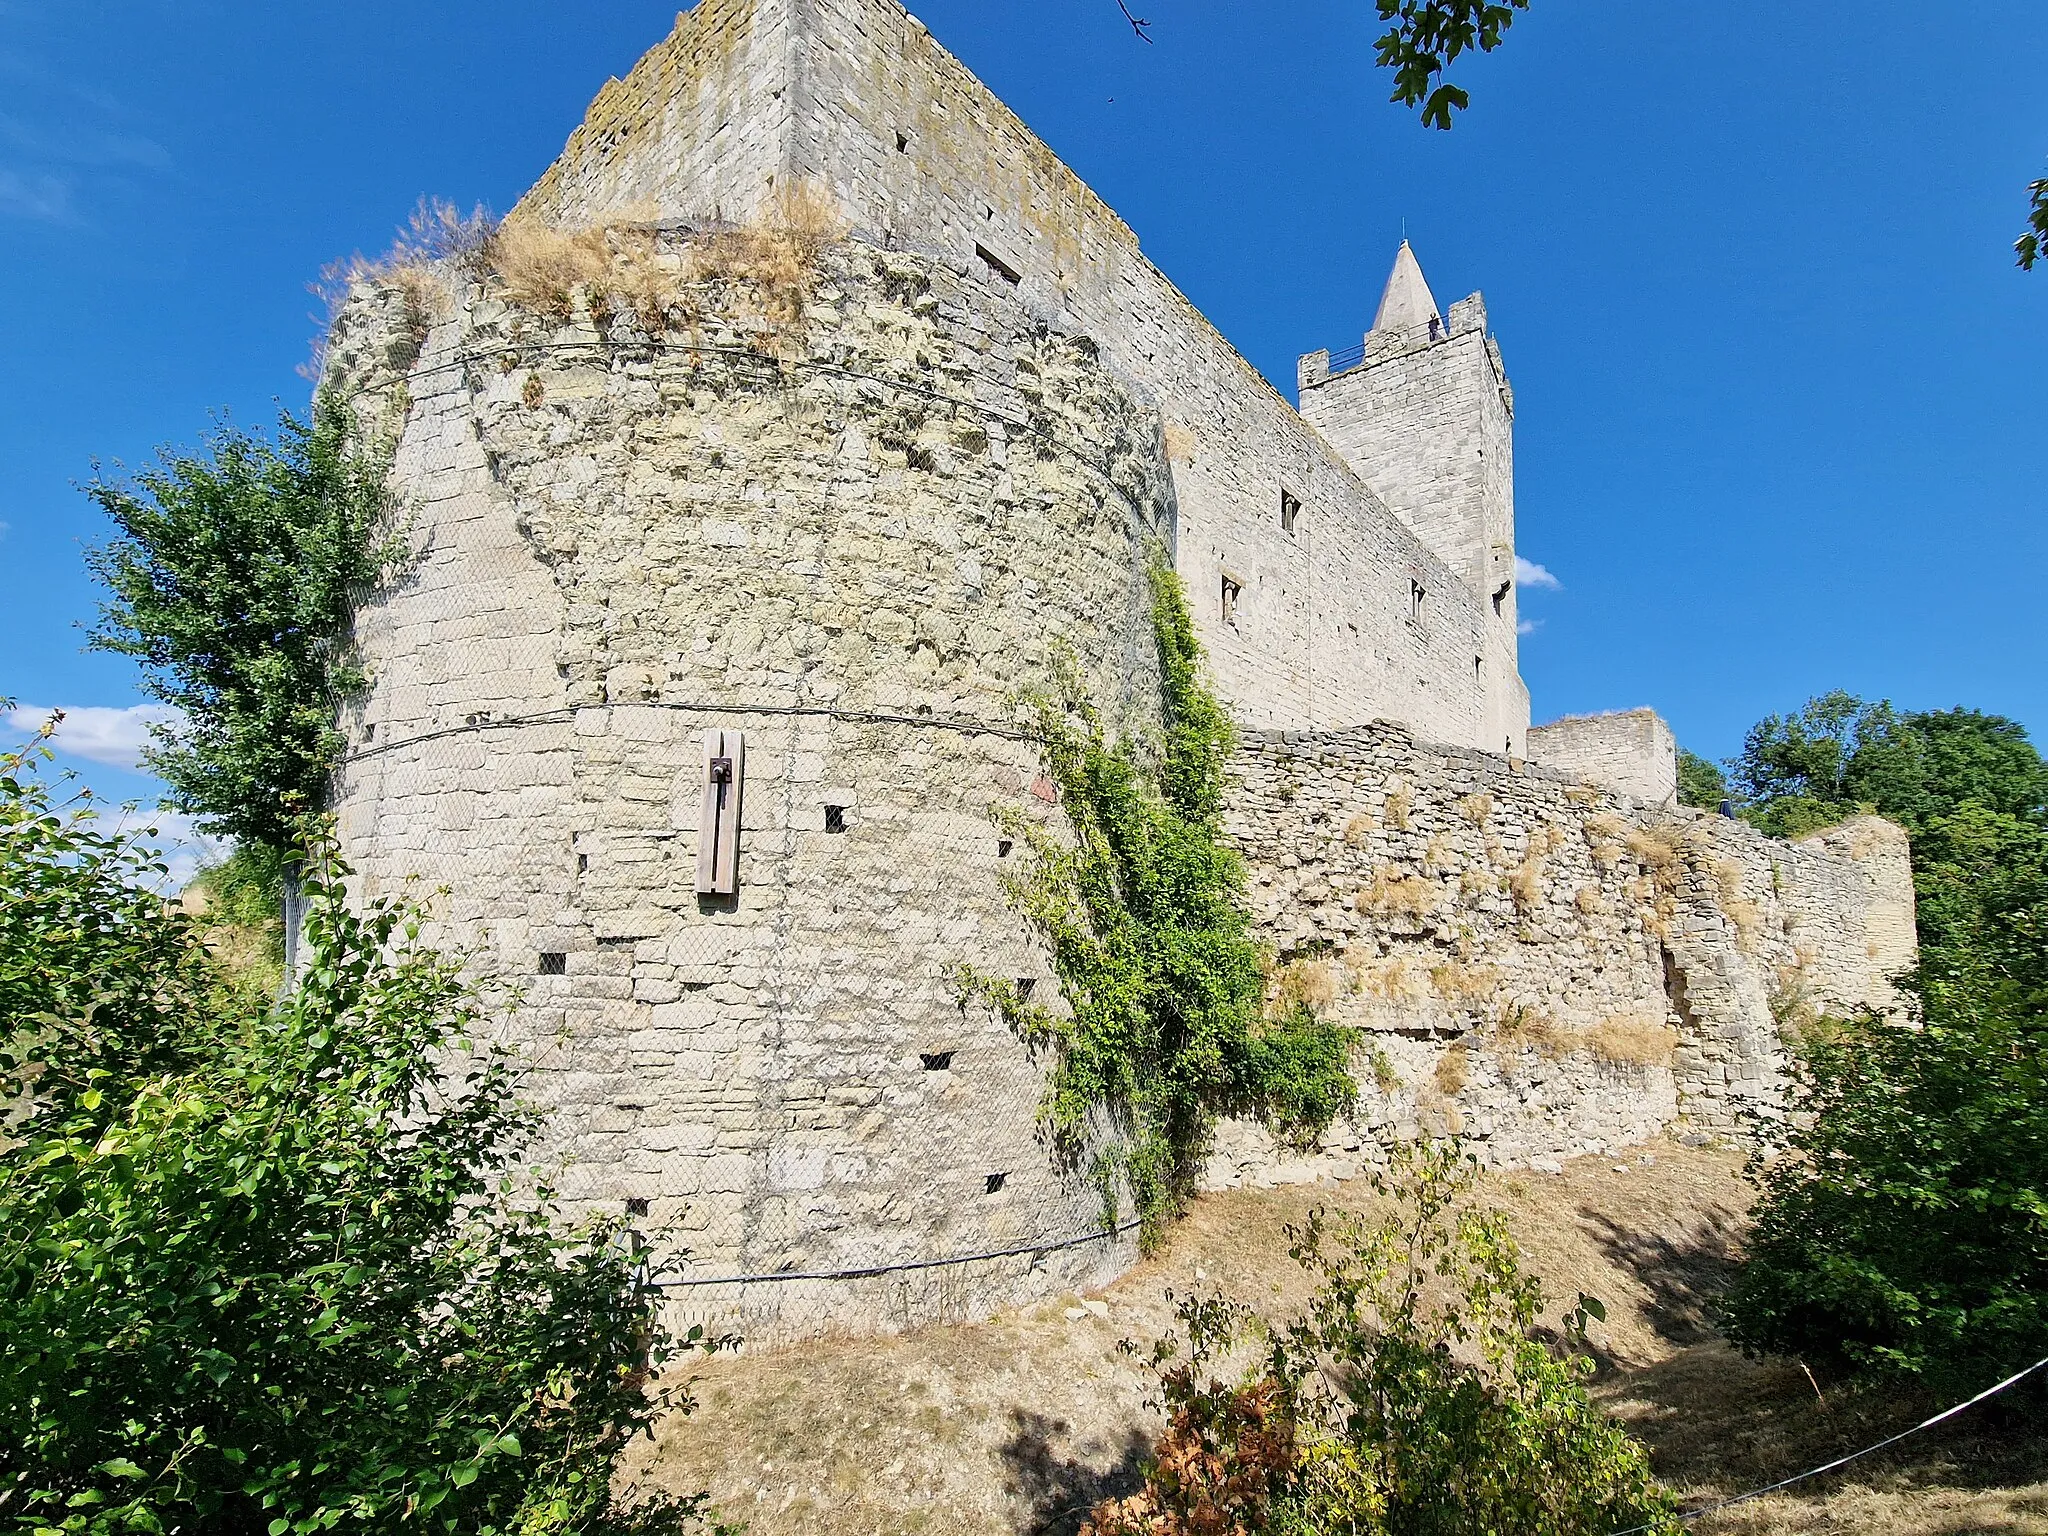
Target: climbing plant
{"type": "Point", "coordinates": [1164, 983]}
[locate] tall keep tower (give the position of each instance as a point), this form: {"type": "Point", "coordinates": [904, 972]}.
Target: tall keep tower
{"type": "Point", "coordinates": [1423, 412]}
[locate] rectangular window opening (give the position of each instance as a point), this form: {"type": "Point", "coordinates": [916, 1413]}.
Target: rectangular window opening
{"type": "Point", "coordinates": [1003, 847]}
{"type": "Point", "coordinates": [1233, 593]}
{"type": "Point", "coordinates": [996, 1181]}
{"type": "Point", "coordinates": [636, 1205]}
{"type": "Point", "coordinates": [1416, 594]}
{"type": "Point", "coordinates": [997, 265]}
{"type": "Point", "coordinates": [1290, 509]}
{"type": "Point", "coordinates": [1478, 668]}
{"type": "Point", "coordinates": [835, 818]}
{"type": "Point", "coordinates": [936, 1061]}
{"type": "Point", "coordinates": [582, 863]}
{"type": "Point", "coordinates": [902, 142]}
{"type": "Point", "coordinates": [1500, 597]}
{"type": "Point", "coordinates": [553, 963]}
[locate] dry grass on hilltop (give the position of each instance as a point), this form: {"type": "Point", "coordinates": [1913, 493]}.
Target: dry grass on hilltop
{"type": "Point", "coordinates": [1018, 1425]}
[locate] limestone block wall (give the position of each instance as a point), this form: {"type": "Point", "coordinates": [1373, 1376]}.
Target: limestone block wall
{"type": "Point", "coordinates": [857, 545]}
{"type": "Point", "coordinates": [1630, 751]}
{"type": "Point", "coordinates": [921, 155]}
{"type": "Point", "coordinates": [1540, 964]}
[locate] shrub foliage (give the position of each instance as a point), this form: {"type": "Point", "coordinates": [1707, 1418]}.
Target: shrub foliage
{"type": "Point", "coordinates": [261, 1266]}
{"type": "Point", "coordinates": [1413, 1395]}
{"type": "Point", "coordinates": [1152, 944]}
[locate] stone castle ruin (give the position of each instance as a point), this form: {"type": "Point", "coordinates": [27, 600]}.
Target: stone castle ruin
{"type": "Point", "coordinates": [814, 414]}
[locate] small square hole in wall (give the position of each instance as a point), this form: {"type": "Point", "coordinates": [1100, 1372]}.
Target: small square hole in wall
{"type": "Point", "coordinates": [936, 1061]}
{"type": "Point", "coordinates": [996, 1181]}
{"type": "Point", "coordinates": [1290, 510]}
{"type": "Point", "coordinates": [369, 733]}
{"type": "Point", "coordinates": [636, 1206]}
{"type": "Point", "coordinates": [553, 963]}
{"type": "Point", "coordinates": [1003, 847]}
{"type": "Point", "coordinates": [1233, 594]}
{"type": "Point", "coordinates": [835, 818]}
{"type": "Point", "coordinates": [902, 142]}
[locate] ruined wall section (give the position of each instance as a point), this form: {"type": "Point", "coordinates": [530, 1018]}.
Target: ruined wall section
{"type": "Point", "coordinates": [1630, 751]}
{"type": "Point", "coordinates": [921, 155]}
{"type": "Point", "coordinates": [1541, 965]}
{"type": "Point", "coordinates": [858, 545]}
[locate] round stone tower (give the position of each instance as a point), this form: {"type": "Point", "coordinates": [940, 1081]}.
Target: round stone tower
{"type": "Point", "coordinates": [844, 522]}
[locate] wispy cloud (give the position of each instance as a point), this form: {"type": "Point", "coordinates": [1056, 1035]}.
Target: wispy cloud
{"type": "Point", "coordinates": [1529, 574]}
{"type": "Point", "coordinates": [39, 196]}
{"type": "Point", "coordinates": [115, 737]}
{"type": "Point", "coordinates": [1527, 626]}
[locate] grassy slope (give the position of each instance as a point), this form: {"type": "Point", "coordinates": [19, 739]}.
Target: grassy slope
{"type": "Point", "coordinates": [1019, 1424]}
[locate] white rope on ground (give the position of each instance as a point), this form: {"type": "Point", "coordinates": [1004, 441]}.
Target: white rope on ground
{"type": "Point", "coordinates": [1843, 1461]}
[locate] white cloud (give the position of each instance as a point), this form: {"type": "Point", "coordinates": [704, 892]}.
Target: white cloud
{"type": "Point", "coordinates": [1527, 626]}
{"type": "Point", "coordinates": [1529, 574]}
{"type": "Point", "coordinates": [115, 737]}
{"type": "Point", "coordinates": [35, 195]}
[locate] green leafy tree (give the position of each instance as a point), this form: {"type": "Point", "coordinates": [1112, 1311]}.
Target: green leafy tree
{"type": "Point", "coordinates": [1153, 946]}
{"type": "Point", "coordinates": [1413, 1395]}
{"type": "Point", "coordinates": [1906, 1233]}
{"type": "Point", "coordinates": [261, 1265]}
{"type": "Point", "coordinates": [233, 580]}
{"type": "Point", "coordinates": [1700, 781]}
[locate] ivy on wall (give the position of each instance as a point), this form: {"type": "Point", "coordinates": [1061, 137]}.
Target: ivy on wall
{"type": "Point", "coordinates": [1143, 911]}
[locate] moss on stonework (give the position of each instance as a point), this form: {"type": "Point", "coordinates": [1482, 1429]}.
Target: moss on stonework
{"type": "Point", "coordinates": [1152, 943]}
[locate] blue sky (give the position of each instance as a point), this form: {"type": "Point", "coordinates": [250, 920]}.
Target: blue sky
{"type": "Point", "coordinates": [1780, 420]}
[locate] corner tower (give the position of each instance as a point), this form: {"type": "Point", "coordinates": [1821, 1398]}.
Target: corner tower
{"type": "Point", "coordinates": [1423, 412]}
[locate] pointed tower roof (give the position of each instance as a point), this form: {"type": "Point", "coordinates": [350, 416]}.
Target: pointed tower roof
{"type": "Point", "coordinates": [1407, 301]}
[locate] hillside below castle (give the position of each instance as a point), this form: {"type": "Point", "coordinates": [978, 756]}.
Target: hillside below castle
{"type": "Point", "coordinates": [815, 416]}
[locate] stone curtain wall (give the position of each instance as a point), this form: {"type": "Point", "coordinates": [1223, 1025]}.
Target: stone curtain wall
{"type": "Point", "coordinates": [858, 556]}
{"type": "Point", "coordinates": [920, 155]}
{"type": "Point", "coordinates": [1630, 751]}
{"type": "Point", "coordinates": [1536, 963]}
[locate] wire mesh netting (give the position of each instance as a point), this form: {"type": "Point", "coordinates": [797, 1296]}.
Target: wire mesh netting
{"type": "Point", "coordinates": [789, 1089]}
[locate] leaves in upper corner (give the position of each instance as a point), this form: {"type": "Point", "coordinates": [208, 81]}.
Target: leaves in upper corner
{"type": "Point", "coordinates": [2034, 243]}
{"type": "Point", "coordinates": [1426, 36]}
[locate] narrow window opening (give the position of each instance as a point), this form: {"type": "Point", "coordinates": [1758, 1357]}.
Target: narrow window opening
{"type": "Point", "coordinates": [997, 265]}
{"type": "Point", "coordinates": [582, 863]}
{"type": "Point", "coordinates": [902, 142]}
{"type": "Point", "coordinates": [1478, 669]}
{"type": "Point", "coordinates": [1232, 593]}
{"type": "Point", "coordinates": [835, 818]}
{"type": "Point", "coordinates": [1415, 596]}
{"type": "Point", "coordinates": [369, 733]}
{"type": "Point", "coordinates": [1499, 597]}
{"type": "Point", "coordinates": [1003, 847]}
{"type": "Point", "coordinates": [636, 1206]}
{"type": "Point", "coordinates": [561, 669]}
{"type": "Point", "coordinates": [553, 963]}
{"type": "Point", "coordinates": [1290, 509]}
{"type": "Point", "coordinates": [936, 1061]}
{"type": "Point", "coordinates": [996, 1181]}
{"type": "Point", "coordinates": [1026, 985]}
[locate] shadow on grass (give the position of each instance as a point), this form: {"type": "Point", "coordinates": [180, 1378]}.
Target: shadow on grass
{"type": "Point", "coordinates": [1056, 1492]}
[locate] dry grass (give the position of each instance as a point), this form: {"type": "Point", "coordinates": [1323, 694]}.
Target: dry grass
{"type": "Point", "coordinates": [1360, 827]}
{"type": "Point", "coordinates": [1589, 901]}
{"type": "Point", "coordinates": [1179, 441]}
{"type": "Point", "coordinates": [1452, 1071]}
{"type": "Point", "coordinates": [1397, 892]}
{"type": "Point", "coordinates": [1018, 1424]}
{"type": "Point", "coordinates": [1477, 882]}
{"type": "Point", "coordinates": [1436, 856]}
{"type": "Point", "coordinates": [1312, 984]}
{"type": "Point", "coordinates": [1526, 883]}
{"type": "Point", "coordinates": [1476, 808]}
{"type": "Point", "coordinates": [1521, 1027]}
{"type": "Point", "coordinates": [1400, 801]}
{"type": "Point", "coordinates": [1457, 981]}
{"type": "Point", "coordinates": [1394, 980]}
{"type": "Point", "coordinates": [1632, 1040]}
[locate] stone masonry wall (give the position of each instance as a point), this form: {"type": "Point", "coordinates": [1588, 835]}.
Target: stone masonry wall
{"type": "Point", "coordinates": [1544, 966]}
{"type": "Point", "coordinates": [857, 545]}
{"type": "Point", "coordinates": [921, 155]}
{"type": "Point", "coordinates": [1630, 751]}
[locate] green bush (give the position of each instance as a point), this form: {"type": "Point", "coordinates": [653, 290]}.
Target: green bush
{"type": "Point", "coordinates": [1144, 915]}
{"type": "Point", "coordinates": [262, 1266]}
{"type": "Point", "coordinates": [1905, 1229]}
{"type": "Point", "coordinates": [1413, 1396]}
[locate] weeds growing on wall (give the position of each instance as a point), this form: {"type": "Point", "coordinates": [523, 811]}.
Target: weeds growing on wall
{"type": "Point", "coordinates": [1152, 944]}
